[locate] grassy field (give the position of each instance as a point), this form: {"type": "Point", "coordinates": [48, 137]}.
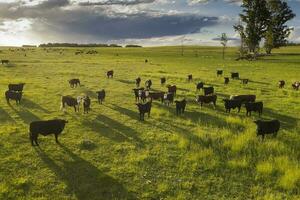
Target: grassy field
{"type": "Point", "coordinates": [110, 154]}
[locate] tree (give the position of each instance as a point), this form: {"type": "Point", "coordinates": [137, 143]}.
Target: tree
{"type": "Point", "coordinates": [224, 40]}
{"type": "Point", "coordinates": [277, 31]}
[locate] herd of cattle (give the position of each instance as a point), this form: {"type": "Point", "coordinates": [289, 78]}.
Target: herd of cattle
{"type": "Point", "coordinates": [144, 97]}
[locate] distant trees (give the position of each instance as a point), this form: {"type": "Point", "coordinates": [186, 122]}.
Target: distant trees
{"type": "Point", "coordinates": [133, 45]}
{"type": "Point", "coordinates": [77, 45]}
{"type": "Point", "coordinates": [224, 40]}
{"type": "Point", "coordinates": [263, 19]}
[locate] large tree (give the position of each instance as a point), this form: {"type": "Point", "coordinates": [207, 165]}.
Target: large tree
{"type": "Point", "coordinates": [277, 31]}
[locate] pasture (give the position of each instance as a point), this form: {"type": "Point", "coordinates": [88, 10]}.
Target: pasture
{"type": "Point", "coordinates": [109, 154]}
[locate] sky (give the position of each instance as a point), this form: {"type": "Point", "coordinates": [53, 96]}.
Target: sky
{"type": "Point", "coordinates": [143, 22]}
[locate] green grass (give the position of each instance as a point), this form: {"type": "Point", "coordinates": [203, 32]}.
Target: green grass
{"type": "Point", "coordinates": [109, 154]}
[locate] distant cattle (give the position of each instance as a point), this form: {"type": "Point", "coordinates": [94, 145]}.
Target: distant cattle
{"type": "Point", "coordinates": [245, 81]}
{"type": "Point", "coordinates": [146, 61]}
{"type": "Point", "coordinates": [199, 86]}
{"type": "Point", "coordinates": [148, 84]}
{"type": "Point", "coordinates": [180, 106]}
{"type": "Point", "coordinates": [101, 96]}
{"type": "Point", "coordinates": [110, 74]}
{"type": "Point", "coordinates": [254, 107]}
{"type": "Point", "coordinates": [46, 128]}
{"type": "Point", "coordinates": [137, 93]}
{"type": "Point", "coordinates": [190, 77]}
{"type": "Point", "coordinates": [74, 82]}
{"type": "Point", "coordinates": [172, 88]}
{"type": "Point", "coordinates": [86, 104]}
{"type": "Point", "coordinates": [226, 80]}
{"type": "Point", "coordinates": [267, 127]}
{"type": "Point", "coordinates": [17, 96]}
{"type": "Point", "coordinates": [207, 99]}
{"type": "Point", "coordinates": [138, 82]}
{"type": "Point", "coordinates": [16, 87]}
{"type": "Point", "coordinates": [296, 85]}
{"type": "Point", "coordinates": [168, 98]}
{"type": "Point", "coordinates": [143, 109]}
{"type": "Point", "coordinates": [4, 62]}
{"type": "Point", "coordinates": [235, 75]}
{"type": "Point", "coordinates": [244, 98]}
{"type": "Point", "coordinates": [219, 72]}
{"type": "Point", "coordinates": [70, 101]}
{"type": "Point", "coordinates": [208, 91]}
{"type": "Point", "coordinates": [156, 96]}
{"type": "Point", "coordinates": [232, 104]}
{"type": "Point", "coordinates": [163, 80]}
{"type": "Point", "coordinates": [281, 84]}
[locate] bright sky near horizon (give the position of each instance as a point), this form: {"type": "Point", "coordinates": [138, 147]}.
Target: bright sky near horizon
{"type": "Point", "coordinates": [145, 22]}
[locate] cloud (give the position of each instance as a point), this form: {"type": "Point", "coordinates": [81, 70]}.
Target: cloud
{"type": "Point", "coordinates": [115, 2]}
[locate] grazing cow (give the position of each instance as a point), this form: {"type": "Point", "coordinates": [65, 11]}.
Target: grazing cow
{"type": "Point", "coordinates": [245, 81]}
{"type": "Point", "coordinates": [137, 93]}
{"type": "Point", "coordinates": [16, 87]}
{"type": "Point", "coordinates": [180, 106]}
{"type": "Point", "coordinates": [226, 80]}
{"type": "Point", "coordinates": [244, 98]}
{"type": "Point", "coordinates": [296, 85]}
{"type": "Point", "coordinates": [143, 95]}
{"type": "Point", "coordinates": [281, 84]}
{"type": "Point", "coordinates": [17, 96]}
{"type": "Point", "coordinates": [4, 62]}
{"type": "Point", "coordinates": [267, 127]}
{"type": "Point", "coordinates": [235, 75]}
{"type": "Point", "coordinates": [110, 74]}
{"type": "Point", "coordinates": [156, 96]}
{"type": "Point", "coordinates": [232, 104]}
{"type": "Point", "coordinates": [86, 104]}
{"type": "Point", "coordinates": [199, 86]}
{"type": "Point", "coordinates": [207, 99]}
{"type": "Point", "coordinates": [70, 101]}
{"type": "Point", "coordinates": [146, 61]}
{"type": "Point", "coordinates": [144, 108]}
{"type": "Point", "coordinates": [190, 77]}
{"type": "Point", "coordinates": [101, 96]}
{"type": "Point", "coordinates": [74, 82]}
{"type": "Point", "coordinates": [172, 89]}
{"type": "Point", "coordinates": [163, 80]}
{"type": "Point", "coordinates": [148, 84]}
{"type": "Point", "coordinates": [208, 91]}
{"type": "Point", "coordinates": [138, 82]}
{"type": "Point", "coordinates": [219, 72]}
{"type": "Point", "coordinates": [255, 107]}
{"type": "Point", "coordinates": [46, 128]}
{"type": "Point", "coordinates": [169, 98]}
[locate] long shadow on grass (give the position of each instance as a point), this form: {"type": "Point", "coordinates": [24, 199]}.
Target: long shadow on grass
{"type": "Point", "coordinates": [83, 179]}
{"type": "Point", "coordinates": [5, 117]}
{"type": "Point", "coordinates": [286, 121]}
{"type": "Point", "coordinates": [128, 82]}
{"type": "Point", "coordinates": [31, 105]}
{"type": "Point", "coordinates": [25, 115]}
{"type": "Point", "coordinates": [113, 130]}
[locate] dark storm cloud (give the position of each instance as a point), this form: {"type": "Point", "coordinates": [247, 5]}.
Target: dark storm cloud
{"type": "Point", "coordinates": [116, 2]}
{"type": "Point", "coordinates": [52, 4]}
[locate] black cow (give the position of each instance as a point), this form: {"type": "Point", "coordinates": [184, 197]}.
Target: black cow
{"type": "Point", "coordinates": [163, 80]}
{"type": "Point", "coordinates": [17, 96]}
{"type": "Point", "coordinates": [235, 75]}
{"type": "Point", "coordinates": [86, 104]}
{"type": "Point", "coordinates": [144, 108]}
{"type": "Point", "coordinates": [180, 106]}
{"type": "Point", "coordinates": [190, 77]}
{"type": "Point", "coordinates": [46, 128]}
{"type": "Point", "coordinates": [169, 98]}
{"type": "Point", "coordinates": [267, 127]}
{"type": "Point", "coordinates": [137, 93]}
{"type": "Point", "coordinates": [146, 61]}
{"type": "Point", "coordinates": [4, 62]}
{"type": "Point", "coordinates": [138, 82]}
{"type": "Point", "coordinates": [16, 87]}
{"type": "Point", "coordinates": [232, 104]}
{"type": "Point", "coordinates": [110, 74]}
{"type": "Point", "coordinates": [156, 96]}
{"type": "Point", "coordinates": [296, 85]}
{"type": "Point", "coordinates": [199, 86]}
{"type": "Point", "coordinates": [143, 95]}
{"type": "Point", "coordinates": [255, 107]}
{"type": "Point", "coordinates": [245, 81]}
{"type": "Point", "coordinates": [70, 101]}
{"type": "Point", "coordinates": [148, 84]}
{"type": "Point", "coordinates": [74, 82]}
{"type": "Point", "coordinates": [101, 96]}
{"type": "Point", "coordinates": [208, 91]}
{"type": "Point", "coordinates": [172, 89]}
{"type": "Point", "coordinates": [226, 80]}
{"type": "Point", "coordinates": [207, 99]}
{"type": "Point", "coordinates": [281, 84]}
{"type": "Point", "coordinates": [244, 98]}
{"type": "Point", "coordinates": [219, 72]}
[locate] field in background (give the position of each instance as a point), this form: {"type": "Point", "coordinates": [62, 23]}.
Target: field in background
{"type": "Point", "coordinates": [109, 154]}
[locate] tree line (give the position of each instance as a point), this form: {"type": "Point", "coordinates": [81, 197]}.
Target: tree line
{"type": "Point", "coordinates": [77, 45]}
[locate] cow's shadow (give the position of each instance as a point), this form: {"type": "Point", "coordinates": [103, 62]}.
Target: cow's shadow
{"type": "Point", "coordinates": [287, 122]}
{"type": "Point", "coordinates": [5, 117]}
{"type": "Point", "coordinates": [25, 115]}
{"type": "Point", "coordinates": [31, 105]}
{"type": "Point", "coordinates": [82, 178]}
